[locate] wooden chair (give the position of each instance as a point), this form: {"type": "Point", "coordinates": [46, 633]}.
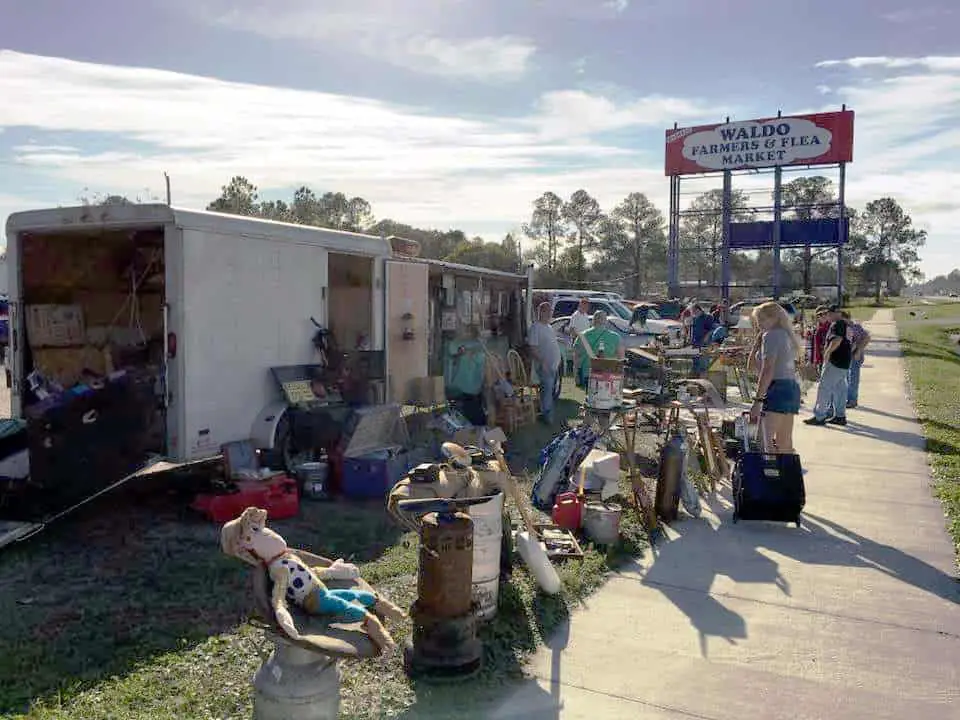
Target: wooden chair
{"type": "Point", "coordinates": [528, 395]}
{"type": "Point", "coordinates": [506, 410]}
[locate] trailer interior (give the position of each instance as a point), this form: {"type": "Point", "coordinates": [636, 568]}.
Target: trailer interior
{"type": "Point", "coordinates": [92, 314]}
{"type": "Point", "coordinates": [351, 300]}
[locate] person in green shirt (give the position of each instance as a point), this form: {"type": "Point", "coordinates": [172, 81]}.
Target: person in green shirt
{"type": "Point", "coordinates": [603, 342]}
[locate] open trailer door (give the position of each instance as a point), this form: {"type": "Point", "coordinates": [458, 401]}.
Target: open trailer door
{"type": "Point", "coordinates": [407, 336]}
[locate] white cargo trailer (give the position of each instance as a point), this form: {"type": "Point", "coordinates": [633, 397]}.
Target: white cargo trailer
{"type": "Point", "coordinates": [222, 298]}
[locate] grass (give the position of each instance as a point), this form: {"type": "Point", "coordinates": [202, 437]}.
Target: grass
{"type": "Point", "coordinates": [130, 611]}
{"type": "Point", "coordinates": [863, 309]}
{"type": "Point", "coordinates": [933, 366]}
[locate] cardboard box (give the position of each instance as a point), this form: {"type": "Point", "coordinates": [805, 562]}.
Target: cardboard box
{"type": "Point", "coordinates": [55, 325]}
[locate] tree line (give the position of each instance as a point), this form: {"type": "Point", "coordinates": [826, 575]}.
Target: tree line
{"type": "Point", "coordinates": [336, 210]}
{"type": "Point", "coordinates": [576, 242]}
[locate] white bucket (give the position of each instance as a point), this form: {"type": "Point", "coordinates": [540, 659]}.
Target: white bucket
{"type": "Point", "coordinates": [487, 538]}
{"type": "Point", "coordinates": [604, 390]}
{"type": "Point", "coordinates": [601, 522]}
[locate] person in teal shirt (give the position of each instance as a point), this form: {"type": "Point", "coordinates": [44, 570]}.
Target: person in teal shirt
{"type": "Point", "coordinates": [602, 341]}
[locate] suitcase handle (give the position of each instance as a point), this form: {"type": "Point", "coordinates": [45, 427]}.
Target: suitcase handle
{"type": "Point", "coordinates": [761, 438]}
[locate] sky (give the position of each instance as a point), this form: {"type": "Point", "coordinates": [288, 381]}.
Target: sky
{"type": "Point", "coordinates": [459, 113]}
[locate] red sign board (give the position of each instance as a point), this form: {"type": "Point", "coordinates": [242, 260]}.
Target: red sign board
{"type": "Point", "coordinates": [821, 139]}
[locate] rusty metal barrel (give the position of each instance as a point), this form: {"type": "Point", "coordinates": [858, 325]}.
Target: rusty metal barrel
{"type": "Point", "coordinates": [446, 565]}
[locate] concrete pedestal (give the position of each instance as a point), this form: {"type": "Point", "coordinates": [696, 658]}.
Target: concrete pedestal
{"type": "Point", "coordinates": [296, 684]}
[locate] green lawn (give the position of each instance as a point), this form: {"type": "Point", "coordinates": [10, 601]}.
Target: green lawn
{"type": "Point", "coordinates": [130, 611]}
{"type": "Point", "coordinates": [933, 366]}
{"type": "Point", "coordinates": [863, 309]}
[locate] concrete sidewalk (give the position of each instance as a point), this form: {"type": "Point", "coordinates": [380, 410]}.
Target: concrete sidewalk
{"type": "Point", "coordinates": [854, 615]}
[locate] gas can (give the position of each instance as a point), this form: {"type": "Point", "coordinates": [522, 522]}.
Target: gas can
{"type": "Point", "coordinates": [568, 511]}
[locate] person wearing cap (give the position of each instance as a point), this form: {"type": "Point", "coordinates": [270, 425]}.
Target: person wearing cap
{"type": "Point", "coordinates": [826, 316]}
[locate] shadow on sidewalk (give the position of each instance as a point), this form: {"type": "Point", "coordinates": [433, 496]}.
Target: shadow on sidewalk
{"type": "Point", "coordinates": [905, 439]}
{"type": "Point", "coordinates": [685, 567]}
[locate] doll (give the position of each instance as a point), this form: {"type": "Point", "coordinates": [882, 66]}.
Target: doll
{"type": "Point", "coordinates": [249, 539]}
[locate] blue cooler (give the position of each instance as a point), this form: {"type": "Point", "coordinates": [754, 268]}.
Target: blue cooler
{"type": "Point", "coordinates": [374, 451]}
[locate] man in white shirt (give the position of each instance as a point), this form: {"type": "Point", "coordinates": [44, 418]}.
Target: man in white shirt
{"type": "Point", "coordinates": [545, 351]}
{"type": "Point", "coordinates": [580, 320]}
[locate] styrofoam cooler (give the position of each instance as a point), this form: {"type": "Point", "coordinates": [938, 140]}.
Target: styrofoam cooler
{"type": "Point", "coordinates": [487, 538]}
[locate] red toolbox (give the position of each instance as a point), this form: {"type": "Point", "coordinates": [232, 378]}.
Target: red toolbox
{"type": "Point", "coordinates": [277, 495]}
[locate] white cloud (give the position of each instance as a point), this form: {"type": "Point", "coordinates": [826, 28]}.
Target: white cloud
{"type": "Point", "coordinates": [896, 63]}
{"type": "Point", "coordinates": [567, 113]}
{"type": "Point", "coordinates": [908, 15]}
{"type": "Point", "coordinates": [618, 6]}
{"type": "Point", "coordinates": [383, 31]}
{"type": "Point", "coordinates": [441, 170]}
{"type": "Point", "coordinates": [411, 165]}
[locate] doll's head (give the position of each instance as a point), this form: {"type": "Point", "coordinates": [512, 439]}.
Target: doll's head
{"type": "Point", "coordinates": [236, 534]}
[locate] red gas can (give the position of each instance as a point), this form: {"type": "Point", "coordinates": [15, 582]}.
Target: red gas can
{"type": "Point", "coordinates": [568, 511]}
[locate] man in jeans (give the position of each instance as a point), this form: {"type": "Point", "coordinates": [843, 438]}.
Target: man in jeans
{"type": "Point", "coordinates": [859, 339]}
{"type": "Point", "coordinates": [545, 350]}
{"type": "Point", "coordinates": [832, 393]}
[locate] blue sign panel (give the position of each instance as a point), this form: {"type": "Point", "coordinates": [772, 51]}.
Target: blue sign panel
{"type": "Point", "coordinates": [827, 232]}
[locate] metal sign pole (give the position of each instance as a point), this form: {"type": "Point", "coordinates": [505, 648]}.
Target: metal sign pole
{"type": "Point", "coordinates": [725, 252]}
{"type": "Point", "coordinates": [777, 213]}
{"type": "Point", "coordinates": [842, 229]}
{"type": "Point", "coordinates": [673, 242]}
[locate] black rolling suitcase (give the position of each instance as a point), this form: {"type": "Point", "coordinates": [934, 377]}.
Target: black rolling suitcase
{"type": "Point", "coordinates": [767, 486]}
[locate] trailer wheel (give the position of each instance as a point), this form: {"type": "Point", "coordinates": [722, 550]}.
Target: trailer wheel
{"type": "Point", "coordinates": [285, 445]}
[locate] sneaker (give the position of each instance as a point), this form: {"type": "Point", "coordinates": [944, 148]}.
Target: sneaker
{"type": "Point", "coordinates": [851, 405]}
{"type": "Point", "coordinates": [814, 421]}
{"type": "Point", "coordinates": [837, 421]}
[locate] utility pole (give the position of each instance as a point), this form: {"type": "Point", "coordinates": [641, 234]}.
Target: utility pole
{"type": "Point", "coordinates": [166, 178]}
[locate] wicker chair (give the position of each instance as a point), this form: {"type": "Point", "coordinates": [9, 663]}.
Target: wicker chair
{"type": "Point", "coordinates": [528, 395]}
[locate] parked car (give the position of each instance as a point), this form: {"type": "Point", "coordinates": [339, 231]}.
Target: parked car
{"type": "Point", "coordinates": [738, 308]}
{"type": "Point", "coordinates": [619, 315]}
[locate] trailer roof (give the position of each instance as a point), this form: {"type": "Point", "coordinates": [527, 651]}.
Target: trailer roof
{"type": "Point", "coordinates": [119, 216]}
{"type": "Point", "coordinates": [461, 268]}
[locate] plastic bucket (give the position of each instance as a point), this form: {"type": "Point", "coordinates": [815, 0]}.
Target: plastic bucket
{"type": "Point", "coordinates": [313, 479]}
{"type": "Point", "coordinates": [487, 539]}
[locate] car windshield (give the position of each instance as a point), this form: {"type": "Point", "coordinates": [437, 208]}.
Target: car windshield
{"type": "Point", "coordinates": [620, 309]}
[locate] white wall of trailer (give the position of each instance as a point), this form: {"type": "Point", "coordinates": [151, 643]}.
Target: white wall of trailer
{"type": "Point", "coordinates": [247, 308]}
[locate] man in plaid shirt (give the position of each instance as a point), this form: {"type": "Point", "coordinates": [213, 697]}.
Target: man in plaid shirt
{"type": "Point", "coordinates": [859, 339]}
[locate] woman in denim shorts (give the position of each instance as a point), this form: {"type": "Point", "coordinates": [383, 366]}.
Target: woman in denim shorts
{"type": "Point", "coordinates": [778, 391]}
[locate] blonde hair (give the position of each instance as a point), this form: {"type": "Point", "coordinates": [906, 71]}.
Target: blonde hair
{"type": "Point", "coordinates": [773, 312]}
{"type": "Point", "coordinates": [231, 535]}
